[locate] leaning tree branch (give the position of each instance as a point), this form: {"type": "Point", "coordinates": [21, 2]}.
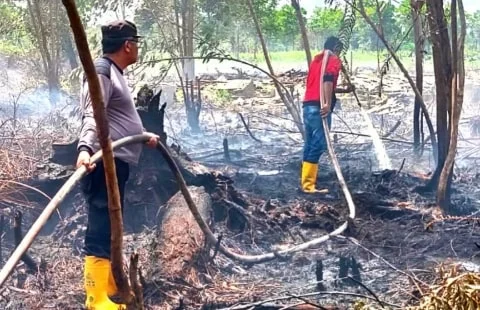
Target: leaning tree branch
{"type": "Point", "coordinates": [361, 10]}
{"type": "Point", "coordinates": [103, 132]}
{"type": "Point", "coordinates": [286, 97]}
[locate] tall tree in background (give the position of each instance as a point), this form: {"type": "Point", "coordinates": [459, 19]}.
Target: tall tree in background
{"type": "Point", "coordinates": [286, 98]}
{"type": "Point", "coordinates": [473, 22]}
{"type": "Point", "coordinates": [418, 24]}
{"type": "Point", "coordinates": [15, 38]}
{"type": "Point", "coordinates": [185, 20]}
{"type": "Point", "coordinates": [67, 43]}
{"type": "Point", "coordinates": [225, 21]}
{"type": "Point", "coordinates": [324, 22]}
{"type": "Point", "coordinates": [44, 19]}
{"type": "Point", "coordinates": [285, 27]}
{"type": "Point", "coordinates": [457, 90]}
{"type": "Point", "coordinates": [303, 30]}
{"type": "Point", "coordinates": [173, 24]}
{"type": "Point", "coordinates": [442, 63]}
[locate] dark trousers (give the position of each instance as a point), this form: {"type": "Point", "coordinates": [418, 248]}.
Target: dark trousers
{"type": "Point", "coordinates": [97, 236]}
{"type": "Point", "coordinates": [315, 142]}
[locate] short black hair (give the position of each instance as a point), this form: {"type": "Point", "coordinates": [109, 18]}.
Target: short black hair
{"type": "Point", "coordinates": [111, 46]}
{"type": "Point", "coordinates": [334, 44]}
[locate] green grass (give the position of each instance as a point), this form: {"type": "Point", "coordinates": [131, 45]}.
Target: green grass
{"type": "Point", "coordinates": [8, 49]}
{"type": "Point", "coordinates": [358, 56]}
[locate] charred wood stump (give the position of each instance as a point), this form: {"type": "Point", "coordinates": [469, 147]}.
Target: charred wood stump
{"type": "Point", "coordinates": [181, 242]}
{"type": "Point", "coordinates": [349, 272]}
{"type": "Point", "coordinates": [2, 225]}
{"type": "Point", "coordinates": [319, 275]}
{"type": "Point", "coordinates": [226, 151]}
{"type": "Point", "coordinates": [151, 114]}
{"type": "Point", "coordinates": [27, 259]}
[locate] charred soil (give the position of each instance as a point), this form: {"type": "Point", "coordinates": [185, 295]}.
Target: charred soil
{"type": "Point", "coordinates": [387, 258]}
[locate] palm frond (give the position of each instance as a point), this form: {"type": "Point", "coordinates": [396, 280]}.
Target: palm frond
{"type": "Point", "coordinates": [346, 29]}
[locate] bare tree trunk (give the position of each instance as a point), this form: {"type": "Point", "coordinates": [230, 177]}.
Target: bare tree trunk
{"type": "Point", "coordinates": [52, 77]}
{"type": "Point", "coordinates": [179, 43]}
{"type": "Point", "coordinates": [416, 7]}
{"type": "Point", "coordinates": [303, 30]}
{"type": "Point", "coordinates": [379, 11]}
{"type": "Point", "coordinates": [458, 85]}
{"type": "Point", "coordinates": [192, 106]}
{"type": "Point", "coordinates": [67, 44]}
{"type": "Point", "coordinates": [103, 130]}
{"type": "Point", "coordinates": [286, 98]}
{"type": "Point", "coordinates": [237, 41]}
{"type": "Point", "coordinates": [49, 60]}
{"type": "Point", "coordinates": [260, 37]}
{"type": "Point", "coordinates": [40, 43]}
{"type": "Point", "coordinates": [442, 62]}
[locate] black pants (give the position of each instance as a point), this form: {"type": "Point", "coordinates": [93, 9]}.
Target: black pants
{"type": "Point", "coordinates": [97, 236]}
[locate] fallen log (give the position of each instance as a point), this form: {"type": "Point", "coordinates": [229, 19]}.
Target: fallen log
{"type": "Point", "coordinates": [181, 240]}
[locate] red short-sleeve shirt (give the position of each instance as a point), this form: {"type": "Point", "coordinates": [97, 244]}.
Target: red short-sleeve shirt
{"type": "Point", "coordinates": [332, 71]}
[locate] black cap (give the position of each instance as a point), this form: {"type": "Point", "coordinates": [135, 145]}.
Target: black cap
{"type": "Point", "coordinates": [119, 30]}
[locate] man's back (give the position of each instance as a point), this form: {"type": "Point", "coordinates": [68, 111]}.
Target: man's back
{"type": "Point", "coordinates": [332, 71]}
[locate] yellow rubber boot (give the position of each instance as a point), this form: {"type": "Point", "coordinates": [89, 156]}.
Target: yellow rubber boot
{"type": "Point", "coordinates": [96, 275]}
{"type": "Point", "coordinates": [309, 178]}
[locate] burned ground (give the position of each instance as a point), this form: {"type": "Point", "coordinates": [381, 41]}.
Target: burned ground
{"type": "Point", "coordinates": [393, 247]}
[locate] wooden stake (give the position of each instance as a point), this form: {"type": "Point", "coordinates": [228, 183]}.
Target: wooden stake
{"type": "Point", "coordinates": [17, 233]}
{"type": "Point", "coordinates": [103, 133]}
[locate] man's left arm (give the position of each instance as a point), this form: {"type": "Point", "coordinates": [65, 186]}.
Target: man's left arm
{"type": "Point", "coordinates": [350, 88]}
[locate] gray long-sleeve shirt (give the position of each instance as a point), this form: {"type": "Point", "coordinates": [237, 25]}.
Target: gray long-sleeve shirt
{"type": "Point", "coordinates": [121, 113]}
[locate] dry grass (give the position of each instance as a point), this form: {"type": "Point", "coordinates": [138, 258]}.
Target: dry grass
{"type": "Point", "coordinates": [454, 290]}
{"type": "Point", "coordinates": [23, 145]}
{"type": "Point", "coordinates": [16, 166]}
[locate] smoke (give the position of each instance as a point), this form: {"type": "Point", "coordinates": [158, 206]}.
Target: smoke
{"type": "Point", "coordinates": [34, 102]}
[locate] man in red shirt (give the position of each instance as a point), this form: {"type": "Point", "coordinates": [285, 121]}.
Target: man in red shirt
{"type": "Point", "coordinates": [313, 111]}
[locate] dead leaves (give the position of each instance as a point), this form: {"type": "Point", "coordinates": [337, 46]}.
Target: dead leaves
{"type": "Point", "coordinates": [455, 290]}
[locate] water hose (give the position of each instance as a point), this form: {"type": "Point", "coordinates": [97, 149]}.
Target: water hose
{"type": "Point", "coordinates": [81, 172]}
{"type": "Point", "coordinates": [331, 151]}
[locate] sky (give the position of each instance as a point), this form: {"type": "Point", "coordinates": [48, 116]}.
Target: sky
{"type": "Point", "coordinates": [310, 5]}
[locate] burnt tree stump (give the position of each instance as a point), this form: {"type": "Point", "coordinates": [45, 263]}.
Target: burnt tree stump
{"type": "Point", "coordinates": [180, 240]}
{"type": "Point", "coordinates": [151, 114]}
{"type": "Point", "coordinates": [150, 185]}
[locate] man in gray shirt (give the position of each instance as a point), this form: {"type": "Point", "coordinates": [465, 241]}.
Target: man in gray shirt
{"type": "Point", "coordinates": [120, 49]}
